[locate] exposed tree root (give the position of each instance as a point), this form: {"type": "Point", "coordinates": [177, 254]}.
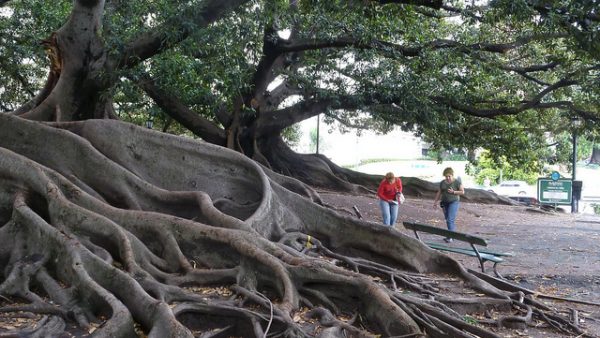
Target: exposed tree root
{"type": "Point", "coordinates": [183, 239]}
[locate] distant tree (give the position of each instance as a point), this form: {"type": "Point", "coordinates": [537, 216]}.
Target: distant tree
{"type": "Point", "coordinates": [563, 149]}
{"type": "Point", "coordinates": [595, 158]}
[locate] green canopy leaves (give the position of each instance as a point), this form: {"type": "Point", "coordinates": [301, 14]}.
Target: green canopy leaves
{"type": "Point", "coordinates": [497, 76]}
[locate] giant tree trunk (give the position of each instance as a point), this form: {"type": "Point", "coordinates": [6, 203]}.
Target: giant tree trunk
{"type": "Point", "coordinates": [110, 228]}
{"type": "Point", "coordinates": [77, 59]}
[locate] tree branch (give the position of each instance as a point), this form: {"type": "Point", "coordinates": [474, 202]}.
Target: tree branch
{"type": "Point", "coordinates": [533, 68]}
{"type": "Point", "coordinates": [157, 40]}
{"type": "Point", "coordinates": [345, 123]}
{"type": "Point", "coordinates": [277, 120]}
{"type": "Point", "coordinates": [524, 71]}
{"type": "Point", "coordinates": [278, 94]}
{"type": "Point", "coordinates": [435, 4]}
{"type": "Point", "coordinates": [535, 102]}
{"type": "Point", "coordinates": [270, 59]}
{"type": "Point", "coordinates": [198, 125]}
{"type": "Point", "coordinates": [286, 46]}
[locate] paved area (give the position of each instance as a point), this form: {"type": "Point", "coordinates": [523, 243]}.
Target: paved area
{"type": "Point", "coordinates": [556, 251]}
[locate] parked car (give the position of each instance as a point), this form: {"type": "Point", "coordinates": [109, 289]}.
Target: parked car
{"type": "Point", "coordinates": [513, 188]}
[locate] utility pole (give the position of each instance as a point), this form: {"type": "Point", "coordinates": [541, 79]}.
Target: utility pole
{"type": "Point", "coordinates": [318, 118]}
{"type": "Point", "coordinates": [573, 201]}
{"type": "Point", "coordinates": [575, 122]}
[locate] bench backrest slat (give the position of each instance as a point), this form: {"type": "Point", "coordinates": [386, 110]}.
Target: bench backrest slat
{"type": "Point", "coordinates": [446, 233]}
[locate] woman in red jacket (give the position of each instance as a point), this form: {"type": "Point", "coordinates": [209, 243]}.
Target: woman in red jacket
{"type": "Point", "coordinates": [388, 193]}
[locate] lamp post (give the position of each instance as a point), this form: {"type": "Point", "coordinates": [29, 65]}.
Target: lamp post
{"type": "Point", "coordinates": [575, 122]}
{"type": "Point", "coordinates": [318, 119]}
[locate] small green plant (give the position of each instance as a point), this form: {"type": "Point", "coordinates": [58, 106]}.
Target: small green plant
{"type": "Point", "coordinates": [596, 207]}
{"type": "Point", "coordinates": [470, 320]}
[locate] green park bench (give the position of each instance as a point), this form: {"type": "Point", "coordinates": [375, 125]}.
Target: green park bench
{"type": "Point", "coordinates": [482, 255]}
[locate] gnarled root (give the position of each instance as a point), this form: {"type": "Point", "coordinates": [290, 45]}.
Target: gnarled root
{"type": "Point", "coordinates": [175, 238]}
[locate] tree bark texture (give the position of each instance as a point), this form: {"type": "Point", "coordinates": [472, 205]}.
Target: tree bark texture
{"type": "Point", "coordinates": [113, 229]}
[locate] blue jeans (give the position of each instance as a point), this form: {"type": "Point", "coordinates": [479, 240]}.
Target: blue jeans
{"type": "Point", "coordinates": [450, 211]}
{"type": "Point", "coordinates": [389, 211]}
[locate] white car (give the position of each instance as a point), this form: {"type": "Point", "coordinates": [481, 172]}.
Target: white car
{"type": "Point", "coordinates": [513, 188]}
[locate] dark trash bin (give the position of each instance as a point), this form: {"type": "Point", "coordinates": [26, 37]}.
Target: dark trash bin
{"type": "Point", "coordinates": [577, 186]}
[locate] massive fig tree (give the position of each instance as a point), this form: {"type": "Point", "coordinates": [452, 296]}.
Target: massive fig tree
{"type": "Point", "coordinates": [109, 229]}
{"type": "Point", "coordinates": [498, 76]}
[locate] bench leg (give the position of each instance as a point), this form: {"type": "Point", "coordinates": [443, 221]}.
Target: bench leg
{"type": "Point", "coordinates": [496, 272]}
{"type": "Point", "coordinates": [481, 261]}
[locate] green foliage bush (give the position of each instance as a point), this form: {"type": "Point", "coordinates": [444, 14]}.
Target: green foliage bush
{"type": "Point", "coordinates": [500, 169]}
{"type": "Point", "coordinates": [440, 156]}
{"type": "Point", "coordinates": [371, 160]}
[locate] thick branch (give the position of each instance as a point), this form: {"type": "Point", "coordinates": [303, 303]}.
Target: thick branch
{"type": "Point", "coordinates": [349, 41]}
{"type": "Point", "coordinates": [280, 93]}
{"type": "Point", "coordinates": [198, 125]}
{"type": "Point", "coordinates": [535, 102]}
{"type": "Point", "coordinates": [435, 4]}
{"type": "Point", "coordinates": [275, 121]}
{"type": "Point", "coordinates": [270, 59]}
{"type": "Point", "coordinates": [158, 40]}
{"type": "Point", "coordinates": [533, 68]}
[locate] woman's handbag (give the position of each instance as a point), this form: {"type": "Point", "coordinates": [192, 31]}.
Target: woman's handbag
{"type": "Point", "coordinates": [400, 197]}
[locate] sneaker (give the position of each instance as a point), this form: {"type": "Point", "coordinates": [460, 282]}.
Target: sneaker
{"type": "Point", "coordinates": [448, 240]}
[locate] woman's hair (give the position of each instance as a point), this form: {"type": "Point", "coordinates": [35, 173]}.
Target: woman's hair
{"type": "Point", "coordinates": [389, 176]}
{"type": "Point", "coordinates": [448, 171]}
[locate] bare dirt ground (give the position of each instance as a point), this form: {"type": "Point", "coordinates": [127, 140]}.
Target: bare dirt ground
{"type": "Point", "coordinates": [556, 254]}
